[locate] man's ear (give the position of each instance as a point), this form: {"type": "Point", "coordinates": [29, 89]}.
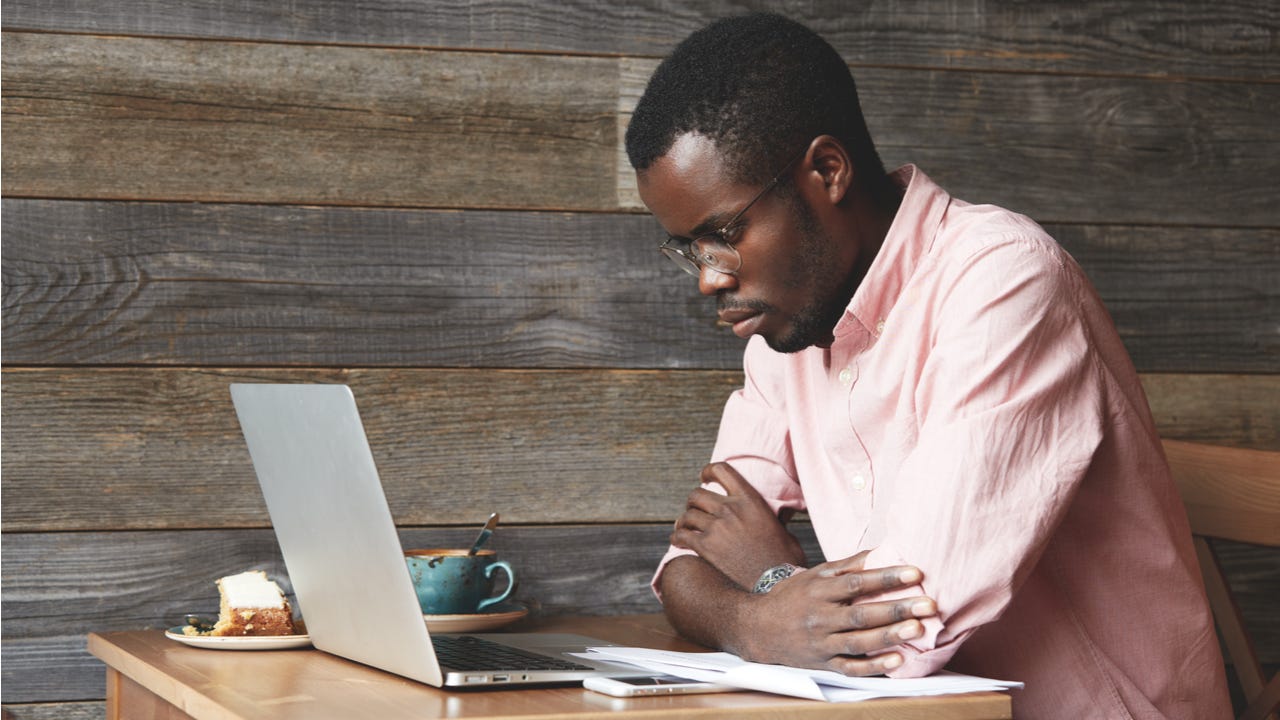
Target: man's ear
{"type": "Point", "coordinates": [829, 159]}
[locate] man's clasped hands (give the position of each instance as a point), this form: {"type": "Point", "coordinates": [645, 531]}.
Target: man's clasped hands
{"type": "Point", "coordinates": [825, 617]}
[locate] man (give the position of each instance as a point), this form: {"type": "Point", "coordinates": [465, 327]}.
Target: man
{"type": "Point", "coordinates": [935, 383]}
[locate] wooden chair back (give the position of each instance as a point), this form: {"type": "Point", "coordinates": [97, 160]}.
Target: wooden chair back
{"type": "Point", "coordinates": [1231, 494]}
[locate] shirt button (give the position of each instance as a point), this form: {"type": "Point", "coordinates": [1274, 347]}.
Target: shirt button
{"type": "Point", "coordinates": [846, 377]}
{"type": "Point", "coordinates": [880, 328]}
{"type": "Point", "coordinates": [859, 482]}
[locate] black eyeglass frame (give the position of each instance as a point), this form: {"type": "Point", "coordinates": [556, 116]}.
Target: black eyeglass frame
{"type": "Point", "coordinates": [682, 251]}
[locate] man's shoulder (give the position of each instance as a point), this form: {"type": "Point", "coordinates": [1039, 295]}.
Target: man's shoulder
{"type": "Point", "coordinates": [985, 254]}
{"type": "Point", "coordinates": [996, 242]}
{"type": "Point", "coordinates": [971, 229]}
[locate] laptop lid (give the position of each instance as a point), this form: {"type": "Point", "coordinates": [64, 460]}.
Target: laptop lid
{"type": "Point", "coordinates": [335, 530]}
{"type": "Point", "coordinates": [341, 547]}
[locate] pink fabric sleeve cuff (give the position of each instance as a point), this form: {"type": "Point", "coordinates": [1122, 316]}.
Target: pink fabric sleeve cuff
{"type": "Point", "coordinates": [673, 552]}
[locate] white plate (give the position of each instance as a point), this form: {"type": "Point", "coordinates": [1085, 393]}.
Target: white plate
{"type": "Point", "coordinates": [245, 642]}
{"type": "Point", "coordinates": [501, 614]}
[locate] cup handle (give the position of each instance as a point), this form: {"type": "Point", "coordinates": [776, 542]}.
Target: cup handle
{"type": "Point", "coordinates": [511, 583]}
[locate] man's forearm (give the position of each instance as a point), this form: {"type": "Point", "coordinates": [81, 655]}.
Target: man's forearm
{"type": "Point", "coordinates": [704, 605]}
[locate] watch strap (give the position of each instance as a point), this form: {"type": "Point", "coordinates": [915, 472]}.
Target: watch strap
{"type": "Point", "coordinates": [773, 576]}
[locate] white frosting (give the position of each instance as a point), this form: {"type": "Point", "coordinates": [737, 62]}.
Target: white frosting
{"type": "Point", "coordinates": [251, 589]}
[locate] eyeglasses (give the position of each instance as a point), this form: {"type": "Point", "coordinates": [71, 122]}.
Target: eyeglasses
{"type": "Point", "coordinates": [715, 249]}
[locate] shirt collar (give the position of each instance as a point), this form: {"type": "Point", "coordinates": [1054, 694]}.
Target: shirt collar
{"type": "Point", "coordinates": [910, 236]}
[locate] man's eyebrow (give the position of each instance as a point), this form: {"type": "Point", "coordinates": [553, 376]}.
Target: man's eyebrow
{"type": "Point", "coordinates": [711, 224]}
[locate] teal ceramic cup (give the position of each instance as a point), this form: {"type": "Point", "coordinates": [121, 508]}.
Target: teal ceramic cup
{"type": "Point", "coordinates": [451, 582]}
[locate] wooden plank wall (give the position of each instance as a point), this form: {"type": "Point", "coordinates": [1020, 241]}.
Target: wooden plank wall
{"type": "Point", "coordinates": [429, 202]}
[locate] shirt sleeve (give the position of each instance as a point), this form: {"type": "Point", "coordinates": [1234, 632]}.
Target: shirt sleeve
{"type": "Point", "coordinates": [753, 438]}
{"type": "Point", "coordinates": [1010, 407]}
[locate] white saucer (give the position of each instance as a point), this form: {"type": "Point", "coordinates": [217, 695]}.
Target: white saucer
{"type": "Point", "coordinates": [495, 617]}
{"type": "Point", "coordinates": [243, 642]}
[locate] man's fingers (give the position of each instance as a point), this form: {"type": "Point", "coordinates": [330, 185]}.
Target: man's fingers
{"type": "Point", "coordinates": [693, 519]}
{"type": "Point", "coordinates": [865, 616]}
{"type": "Point", "coordinates": [685, 539]}
{"type": "Point", "coordinates": [871, 627]}
{"type": "Point", "coordinates": [689, 529]}
{"type": "Point", "coordinates": [704, 500]}
{"type": "Point", "coordinates": [852, 585]}
{"type": "Point", "coordinates": [728, 478]}
{"type": "Point", "coordinates": [861, 642]}
{"type": "Point", "coordinates": [853, 666]}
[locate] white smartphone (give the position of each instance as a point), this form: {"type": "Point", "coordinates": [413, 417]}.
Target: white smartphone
{"type": "Point", "coordinates": [636, 685]}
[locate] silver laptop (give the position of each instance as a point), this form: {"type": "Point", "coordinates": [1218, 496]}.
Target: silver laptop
{"type": "Point", "coordinates": [344, 557]}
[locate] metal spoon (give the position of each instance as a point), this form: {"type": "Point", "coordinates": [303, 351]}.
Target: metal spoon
{"type": "Point", "coordinates": [485, 532]}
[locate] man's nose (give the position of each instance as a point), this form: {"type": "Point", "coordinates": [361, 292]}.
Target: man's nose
{"type": "Point", "coordinates": [711, 281]}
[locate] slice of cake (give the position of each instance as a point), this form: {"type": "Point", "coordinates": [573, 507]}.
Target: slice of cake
{"type": "Point", "coordinates": [251, 604]}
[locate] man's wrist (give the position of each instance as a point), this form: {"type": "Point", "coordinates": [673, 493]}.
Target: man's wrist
{"type": "Point", "coordinates": [773, 576]}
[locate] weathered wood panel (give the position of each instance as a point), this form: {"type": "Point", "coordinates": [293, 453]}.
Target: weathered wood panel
{"type": "Point", "coordinates": [1110, 146]}
{"type": "Point", "coordinates": [1156, 37]}
{"type": "Point", "coordinates": [182, 284]}
{"type": "Point", "coordinates": [1186, 299]}
{"type": "Point", "coordinates": [261, 285]}
{"type": "Point", "coordinates": [57, 711]}
{"type": "Point", "coordinates": [1082, 149]}
{"type": "Point", "coordinates": [147, 448]}
{"type": "Point", "coordinates": [127, 118]}
{"type": "Point", "coordinates": [161, 448]}
{"type": "Point", "coordinates": [150, 579]}
{"type": "Point", "coordinates": [1200, 408]}
{"type": "Point", "coordinates": [1254, 575]}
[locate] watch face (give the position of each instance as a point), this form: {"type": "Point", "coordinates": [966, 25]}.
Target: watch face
{"type": "Point", "coordinates": [773, 576]}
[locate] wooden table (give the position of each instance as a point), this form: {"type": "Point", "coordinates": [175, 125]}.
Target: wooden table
{"type": "Point", "coordinates": [150, 676]}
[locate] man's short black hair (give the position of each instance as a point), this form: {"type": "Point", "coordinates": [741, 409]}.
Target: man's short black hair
{"type": "Point", "coordinates": [760, 86]}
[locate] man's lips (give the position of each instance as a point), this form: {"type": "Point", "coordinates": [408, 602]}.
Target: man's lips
{"type": "Point", "coordinates": [730, 316]}
{"type": "Point", "coordinates": [743, 320]}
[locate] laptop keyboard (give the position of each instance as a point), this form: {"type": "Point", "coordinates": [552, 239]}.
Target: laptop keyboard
{"type": "Point", "coordinates": [465, 652]}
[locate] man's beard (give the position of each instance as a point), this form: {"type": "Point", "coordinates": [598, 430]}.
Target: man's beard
{"type": "Point", "coordinates": [813, 266]}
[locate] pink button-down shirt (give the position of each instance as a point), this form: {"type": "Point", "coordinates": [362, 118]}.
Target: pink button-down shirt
{"type": "Point", "coordinates": [978, 417]}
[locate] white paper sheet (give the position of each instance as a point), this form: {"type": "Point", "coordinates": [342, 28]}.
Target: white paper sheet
{"type": "Point", "coordinates": [728, 669]}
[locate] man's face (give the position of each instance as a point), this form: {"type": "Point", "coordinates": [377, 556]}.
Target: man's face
{"type": "Point", "coordinates": [795, 280]}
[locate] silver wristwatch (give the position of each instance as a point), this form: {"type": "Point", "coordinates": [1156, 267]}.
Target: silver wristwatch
{"type": "Point", "coordinates": [773, 576]}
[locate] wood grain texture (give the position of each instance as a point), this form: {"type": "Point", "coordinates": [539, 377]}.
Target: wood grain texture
{"type": "Point", "coordinates": [232, 284]}
{"type": "Point", "coordinates": [148, 119]}
{"type": "Point", "coordinates": [1084, 149]}
{"type": "Point", "coordinates": [151, 579]}
{"type": "Point", "coordinates": [179, 284]}
{"type": "Point", "coordinates": [216, 687]}
{"type": "Point", "coordinates": [92, 710]}
{"type": "Point", "coordinates": [1186, 299]}
{"type": "Point", "coordinates": [124, 118]}
{"type": "Point", "coordinates": [139, 448]}
{"type": "Point", "coordinates": [127, 698]}
{"type": "Point", "coordinates": [1237, 411]}
{"type": "Point", "coordinates": [1231, 493]}
{"type": "Point", "coordinates": [1141, 134]}
{"type": "Point", "coordinates": [1254, 575]}
{"type": "Point", "coordinates": [1155, 37]}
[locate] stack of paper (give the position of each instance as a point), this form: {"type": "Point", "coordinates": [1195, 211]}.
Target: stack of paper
{"type": "Point", "coordinates": [727, 669]}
